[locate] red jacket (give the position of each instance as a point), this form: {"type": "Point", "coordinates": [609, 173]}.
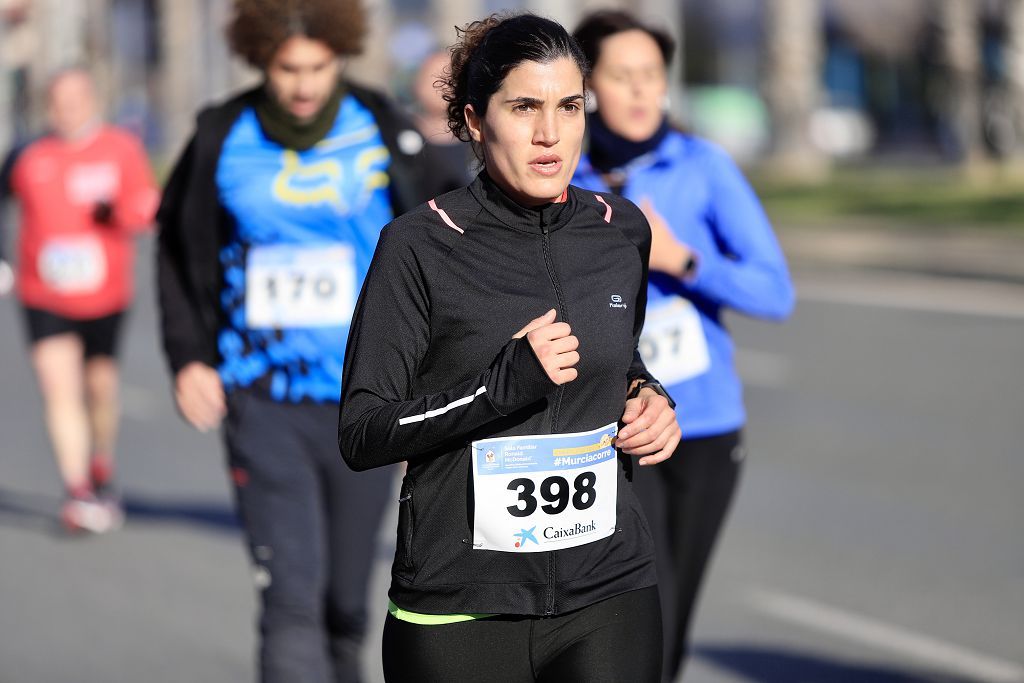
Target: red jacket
{"type": "Point", "coordinates": [69, 263]}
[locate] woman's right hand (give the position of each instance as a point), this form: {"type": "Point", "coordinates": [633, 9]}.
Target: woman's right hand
{"type": "Point", "coordinates": [668, 254]}
{"type": "Point", "coordinates": [554, 345]}
{"type": "Point", "coordinates": [200, 395]}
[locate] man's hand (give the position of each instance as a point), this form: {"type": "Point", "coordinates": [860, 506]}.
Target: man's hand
{"type": "Point", "coordinates": [651, 429]}
{"type": "Point", "coordinates": [200, 396]}
{"type": "Point", "coordinates": [103, 214]}
{"type": "Point", "coordinates": [554, 345]}
{"type": "Point", "coordinates": [668, 255]}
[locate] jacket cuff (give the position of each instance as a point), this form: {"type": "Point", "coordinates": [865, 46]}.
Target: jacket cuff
{"type": "Point", "coordinates": [180, 356]}
{"type": "Point", "coordinates": [704, 272]}
{"type": "Point", "coordinates": [516, 378]}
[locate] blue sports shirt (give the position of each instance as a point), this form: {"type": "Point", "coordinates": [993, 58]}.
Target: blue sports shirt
{"type": "Point", "coordinates": [712, 209]}
{"type": "Point", "coordinates": [305, 226]}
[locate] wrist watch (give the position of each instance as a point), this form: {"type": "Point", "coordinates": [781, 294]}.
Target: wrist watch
{"type": "Point", "coordinates": [689, 266]}
{"type": "Point", "coordinates": [655, 386]}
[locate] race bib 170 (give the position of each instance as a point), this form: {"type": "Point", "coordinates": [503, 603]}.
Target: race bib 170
{"type": "Point", "coordinates": [545, 492]}
{"type": "Point", "coordinates": [300, 286]}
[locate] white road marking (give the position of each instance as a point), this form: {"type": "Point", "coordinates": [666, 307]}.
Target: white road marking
{"type": "Point", "coordinates": [916, 293]}
{"type": "Point", "coordinates": [946, 657]}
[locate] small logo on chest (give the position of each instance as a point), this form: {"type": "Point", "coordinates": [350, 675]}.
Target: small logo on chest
{"type": "Point", "coordinates": [616, 302]}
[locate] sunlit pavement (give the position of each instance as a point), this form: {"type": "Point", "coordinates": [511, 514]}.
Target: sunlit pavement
{"type": "Point", "coordinates": [876, 536]}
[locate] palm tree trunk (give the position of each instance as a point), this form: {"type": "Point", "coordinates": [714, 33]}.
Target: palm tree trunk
{"type": "Point", "coordinates": [793, 84]}
{"type": "Point", "coordinates": [1014, 50]}
{"type": "Point", "coordinates": [959, 30]}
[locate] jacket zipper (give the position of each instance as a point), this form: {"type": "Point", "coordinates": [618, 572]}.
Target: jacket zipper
{"type": "Point", "coordinates": [549, 265]}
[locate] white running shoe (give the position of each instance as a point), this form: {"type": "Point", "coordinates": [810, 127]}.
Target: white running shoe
{"type": "Point", "coordinates": [91, 515]}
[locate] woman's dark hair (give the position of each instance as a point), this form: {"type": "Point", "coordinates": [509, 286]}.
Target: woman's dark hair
{"type": "Point", "coordinates": [600, 25]}
{"type": "Point", "coordinates": [259, 27]}
{"type": "Point", "coordinates": [487, 50]}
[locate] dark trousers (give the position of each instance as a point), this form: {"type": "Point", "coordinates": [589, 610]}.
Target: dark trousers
{"type": "Point", "coordinates": [686, 499]}
{"type": "Point", "coordinates": [612, 641]}
{"type": "Point", "coordinates": [311, 525]}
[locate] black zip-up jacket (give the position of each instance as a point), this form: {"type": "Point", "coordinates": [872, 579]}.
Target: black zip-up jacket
{"type": "Point", "coordinates": [194, 226]}
{"type": "Point", "coordinates": [431, 366]}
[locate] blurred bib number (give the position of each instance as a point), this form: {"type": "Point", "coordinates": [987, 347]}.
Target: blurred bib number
{"type": "Point", "coordinates": [300, 286]}
{"type": "Point", "coordinates": [546, 492]}
{"type": "Point", "coordinates": [73, 265]}
{"type": "Point", "coordinates": [673, 344]}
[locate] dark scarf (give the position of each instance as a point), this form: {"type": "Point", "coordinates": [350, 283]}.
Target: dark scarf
{"type": "Point", "coordinates": [610, 151]}
{"type": "Point", "coordinates": [285, 129]}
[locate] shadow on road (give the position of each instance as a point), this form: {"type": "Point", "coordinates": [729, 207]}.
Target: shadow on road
{"type": "Point", "coordinates": [32, 511]}
{"type": "Point", "coordinates": [40, 513]}
{"type": "Point", "coordinates": [213, 516]}
{"type": "Point", "coordinates": [766, 665]}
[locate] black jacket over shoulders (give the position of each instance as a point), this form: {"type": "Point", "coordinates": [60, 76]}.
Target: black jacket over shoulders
{"type": "Point", "coordinates": [194, 226]}
{"type": "Point", "coordinates": [431, 366]}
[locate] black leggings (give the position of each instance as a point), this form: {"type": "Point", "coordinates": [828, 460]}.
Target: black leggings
{"type": "Point", "coordinates": [615, 640]}
{"type": "Point", "coordinates": [311, 524]}
{"type": "Point", "coordinates": [686, 499]}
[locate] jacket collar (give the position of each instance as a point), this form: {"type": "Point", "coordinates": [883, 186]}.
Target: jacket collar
{"type": "Point", "coordinates": [545, 218]}
{"type": "Point", "coordinates": [666, 152]}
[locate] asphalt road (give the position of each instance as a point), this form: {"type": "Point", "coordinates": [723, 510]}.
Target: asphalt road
{"type": "Point", "coordinates": [878, 536]}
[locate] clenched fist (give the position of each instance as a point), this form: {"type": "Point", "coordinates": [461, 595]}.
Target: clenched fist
{"type": "Point", "coordinates": [554, 345]}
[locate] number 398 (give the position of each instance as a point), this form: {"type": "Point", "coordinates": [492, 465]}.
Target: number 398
{"type": "Point", "coordinates": [556, 491]}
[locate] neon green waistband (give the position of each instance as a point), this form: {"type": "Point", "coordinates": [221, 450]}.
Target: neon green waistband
{"type": "Point", "coordinates": [431, 619]}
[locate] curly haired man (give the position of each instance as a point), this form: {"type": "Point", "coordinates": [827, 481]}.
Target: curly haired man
{"type": "Point", "coordinates": [267, 227]}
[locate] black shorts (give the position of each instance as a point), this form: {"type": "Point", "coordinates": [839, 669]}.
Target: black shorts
{"type": "Point", "coordinates": [99, 335]}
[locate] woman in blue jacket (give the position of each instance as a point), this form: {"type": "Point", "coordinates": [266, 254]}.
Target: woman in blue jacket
{"type": "Point", "coordinates": [713, 249]}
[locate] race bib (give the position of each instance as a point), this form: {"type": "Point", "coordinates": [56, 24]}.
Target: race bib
{"type": "Point", "coordinates": [73, 265]}
{"type": "Point", "coordinates": [673, 344]}
{"type": "Point", "coordinates": [300, 286]}
{"type": "Point", "coordinates": [547, 492]}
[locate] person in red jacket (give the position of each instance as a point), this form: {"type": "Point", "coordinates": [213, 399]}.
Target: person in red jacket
{"type": "Point", "coordinates": [85, 189]}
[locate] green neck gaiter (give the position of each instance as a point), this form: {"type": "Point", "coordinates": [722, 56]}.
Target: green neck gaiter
{"type": "Point", "coordinates": [285, 129]}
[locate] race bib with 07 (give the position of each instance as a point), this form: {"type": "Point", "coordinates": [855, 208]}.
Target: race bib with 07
{"type": "Point", "coordinates": [299, 286]}
{"type": "Point", "coordinates": [673, 345]}
{"type": "Point", "coordinates": [544, 492]}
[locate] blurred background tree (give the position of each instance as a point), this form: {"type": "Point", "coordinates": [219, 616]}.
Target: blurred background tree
{"type": "Point", "coordinates": [792, 84]}
{"type": "Point", "coordinates": [800, 88]}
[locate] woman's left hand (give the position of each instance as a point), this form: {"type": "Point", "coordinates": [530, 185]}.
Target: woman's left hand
{"type": "Point", "coordinates": [668, 254]}
{"type": "Point", "coordinates": [651, 429]}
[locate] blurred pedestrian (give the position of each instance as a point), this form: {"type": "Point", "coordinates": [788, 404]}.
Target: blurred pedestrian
{"type": "Point", "coordinates": [494, 349]}
{"type": "Point", "coordinates": [432, 116]}
{"type": "Point", "coordinates": [85, 189]}
{"type": "Point", "coordinates": [713, 249]}
{"type": "Point", "coordinates": [267, 226]}
{"type": "Point", "coordinates": [6, 169]}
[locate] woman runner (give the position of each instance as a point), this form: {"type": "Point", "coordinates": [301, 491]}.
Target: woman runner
{"type": "Point", "coordinates": [712, 250]}
{"type": "Point", "coordinates": [494, 348]}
